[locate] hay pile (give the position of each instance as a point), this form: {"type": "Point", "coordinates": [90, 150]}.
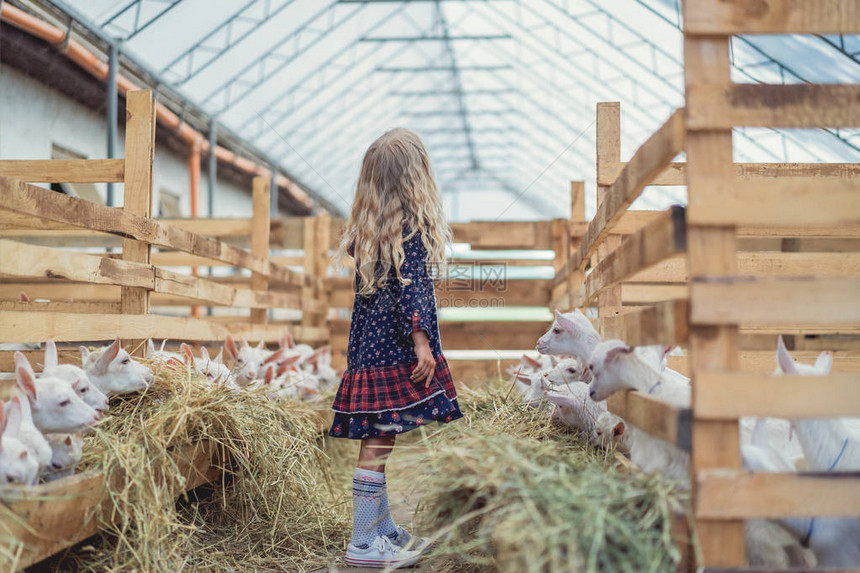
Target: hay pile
{"type": "Point", "coordinates": [272, 510]}
{"type": "Point", "coordinates": [507, 489]}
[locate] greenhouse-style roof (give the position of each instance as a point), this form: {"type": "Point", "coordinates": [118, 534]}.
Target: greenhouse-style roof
{"type": "Point", "coordinates": [502, 91]}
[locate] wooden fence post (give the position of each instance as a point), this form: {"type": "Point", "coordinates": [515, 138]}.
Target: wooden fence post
{"type": "Point", "coordinates": [711, 251]}
{"type": "Point", "coordinates": [137, 199]}
{"type": "Point", "coordinates": [260, 228]}
{"type": "Point", "coordinates": [310, 257]}
{"type": "Point", "coordinates": [575, 277]}
{"type": "Point", "coordinates": [608, 151]}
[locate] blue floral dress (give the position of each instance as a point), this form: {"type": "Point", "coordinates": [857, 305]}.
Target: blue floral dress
{"type": "Point", "coordinates": [376, 396]}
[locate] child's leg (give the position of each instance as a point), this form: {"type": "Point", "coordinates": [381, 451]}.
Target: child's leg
{"type": "Point", "coordinates": [369, 496]}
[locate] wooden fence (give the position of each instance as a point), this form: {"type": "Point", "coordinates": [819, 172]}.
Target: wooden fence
{"type": "Point", "coordinates": [92, 295]}
{"type": "Point", "coordinates": [761, 250]}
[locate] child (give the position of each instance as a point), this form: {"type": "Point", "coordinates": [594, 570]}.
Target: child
{"type": "Point", "coordinates": [396, 379]}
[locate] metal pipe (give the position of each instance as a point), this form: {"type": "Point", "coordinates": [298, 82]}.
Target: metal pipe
{"type": "Point", "coordinates": [112, 117]}
{"type": "Point", "coordinates": [212, 168]}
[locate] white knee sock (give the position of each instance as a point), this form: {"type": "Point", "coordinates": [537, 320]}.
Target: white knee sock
{"type": "Point", "coordinates": [367, 490]}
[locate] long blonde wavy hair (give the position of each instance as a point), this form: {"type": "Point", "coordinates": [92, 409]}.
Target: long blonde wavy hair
{"type": "Point", "coordinates": [396, 186]}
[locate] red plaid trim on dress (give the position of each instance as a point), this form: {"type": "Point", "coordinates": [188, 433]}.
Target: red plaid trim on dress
{"type": "Point", "coordinates": [384, 388]}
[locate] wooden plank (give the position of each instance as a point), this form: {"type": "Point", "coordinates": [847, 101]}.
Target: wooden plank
{"type": "Point", "coordinates": [137, 195]}
{"type": "Point", "coordinates": [36, 327]}
{"type": "Point", "coordinates": [83, 307]}
{"type": "Point", "coordinates": [28, 199]}
{"type": "Point", "coordinates": [489, 335]}
{"type": "Point", "coordinates": [472, 371]}
{"type": "Point", "coordinates": [711, 251]}
{"type": "Point", "coordinates": [310, 262]}
{"type": "Point", "coordinates": [21, 260]}
{"type": "Point", "coordinates": [514, 235]}
{"type": "Point", "coordinates": [663, 323]}
{"type": "Point", "coordinates": [735, 17]}
{"type": "Point", "coordinates": [260, 240]}
{"type": "Point", "coordinates": [48, 518]}
{"type": "Point", "coordinates": [730, 396]}
{"type": "Point", "coordinates": [676, 173]}
{"type": "Point", "coordinates": [764, 362]}
{"type": "Point", "coordinates": [607, 148]}
{"type": "Point", "coordinates": [739, 494]}
{"type": "Point", "coordinates": [674, 270]}
{"type": "Point", "coordinates": [779, 202]}
{"type": "Point", "coordinates": [762, 105]}
{"type": "Point", "coordinates": [813, 301]}
{"type": "Point", "coordinates": [632, 221]}
{"type": "Point", "coordinates": [654, 155]}
{"type": "Point", "coordinates": [64, 170]}
{"type": "Point", "coordinates": [663, 238]}
{"type": "Point", "coordinates": [635, 294]}
{"type": "Point", "coordinates": [653, 416]}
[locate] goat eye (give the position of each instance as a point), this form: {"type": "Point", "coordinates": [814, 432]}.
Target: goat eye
{"type": "Point", "coordinates": [56, 466]}
{"type": "Point", "coordinates": [556, 330]}
{"type": "Point", "coordinates": [84, 390]}
{"type": "Point", "coordinates": [572, 370]}
{"type": "Point", "coordinates": [126, 361]}
{"type": "Point", "coordinates": [240, 361]}
{"type": "Point", "coordinates": [65, 403]}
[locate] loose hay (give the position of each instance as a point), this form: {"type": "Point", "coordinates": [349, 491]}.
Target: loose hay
{"type": "Point", "coordinates": [272, 510]}
{"type": "Point", "coordinates": [509, 490]}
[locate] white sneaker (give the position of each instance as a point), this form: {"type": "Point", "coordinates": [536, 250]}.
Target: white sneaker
{"type": "Point", "coordinates": [408, 541]}
{"type": "Point", "coordinates": [381, 553]}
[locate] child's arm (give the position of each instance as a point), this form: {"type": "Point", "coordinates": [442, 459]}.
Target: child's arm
{"type": "Point", "coordinates": [426, 366]}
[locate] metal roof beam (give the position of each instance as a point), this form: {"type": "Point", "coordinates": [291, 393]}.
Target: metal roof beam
{"type": "Point", "coordinates": [489, 37]}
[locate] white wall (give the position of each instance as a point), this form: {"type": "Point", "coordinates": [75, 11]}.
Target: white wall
{"type": "Point", "coordinates": [34, 116]}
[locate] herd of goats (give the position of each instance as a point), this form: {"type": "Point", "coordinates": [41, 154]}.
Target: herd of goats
{"type": "Point", "coordinates": [41, 425]}
{"type": "Point", "coordinates": [577, 371]}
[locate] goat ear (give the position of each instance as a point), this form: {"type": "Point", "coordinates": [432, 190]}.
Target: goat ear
{"type": "Point", "coordinates": [243, 343]}
{"type": "Point", "coordinates": [22, 362]}
{"type": "Point", "coordinates": [531, 361]}
{"type": "Point", "coordinates": [107, 356]}
{"type": "Point", "coordinates": [187, 354]}
{"type": "Point", "coordinates": [230, 347]}
{"type": "Point", "coordinates": [289, 341]}
{"type": "Point", "coordinates": [22, 297]}
{"type": "Point", "coordinates": [566, 323]}
{"type": "Point", "coordinates": [50, 355]}
{"type": "Point", "coordinates": [615, 353]}
{"type": "Point", "coordinates": [26, 382]}
{"type": "Point", "coordinates": [274, 356]}
{"type": "Point", "coordinates": [553, 360]}
{"type": "Point", "coordinates": [783, 358]}
{"type": "Point", "coordinates": [618, 430]}
{"type": "Point", "coordinates": [23, 455]}
{"type": "Point", "coordinates": [204, 354]}
{"type": "Point", "coordinates": [220, 358]}
{"type": "Point", "coordinates": [85, 353]}
{"type": "Point", "coordinates": [525, 379]}
{"type": "Point", "coordinates": [68, 440]}
{"type": "Point", "coordinates": [260, 346]}
{"type": "Point", "coordinates": [562, 400]}
{"type": "Point", "coordinates": [270, 374]}
{"type": "Point", "coordinates": [76, 383]}
{"type": "Point", "coordinates": [2, 425]}
{"type": "Point", "coordinates": [824, 363]}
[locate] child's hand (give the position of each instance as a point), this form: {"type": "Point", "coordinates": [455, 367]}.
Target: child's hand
{"type": "Point", "coordinates": [426, 367]}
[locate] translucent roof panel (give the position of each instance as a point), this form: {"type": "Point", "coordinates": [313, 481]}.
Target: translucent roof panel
{"type": "Point", "coordinates": [503, 92]}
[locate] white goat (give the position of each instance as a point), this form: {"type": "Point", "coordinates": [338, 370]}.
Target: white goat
{"type": "Point", "coordinates": [20, 415]}
{"type": "Point", "coordinates": [249, 362]}
{"type": "Point", "coordinates": [17, 464]}
{"type": "Point", "coordinates": [570, 333]}
{"type": "Point", "coordinates": [77, 377]}
{"type": "Point", "coordinates": [66, 452]}
{"type": "Point", "coordinates": [113, 370]}
{"type": "Point", "coordinates": [575, 409]}
{"type": "Point", "coordinates": [567, 371]}
{"type": "Point", "coordinates": [615, 367]}
{"type": "Point", "coordinates": [831, 444]}
{"type": "Point", "coordinates": [55, 405]}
